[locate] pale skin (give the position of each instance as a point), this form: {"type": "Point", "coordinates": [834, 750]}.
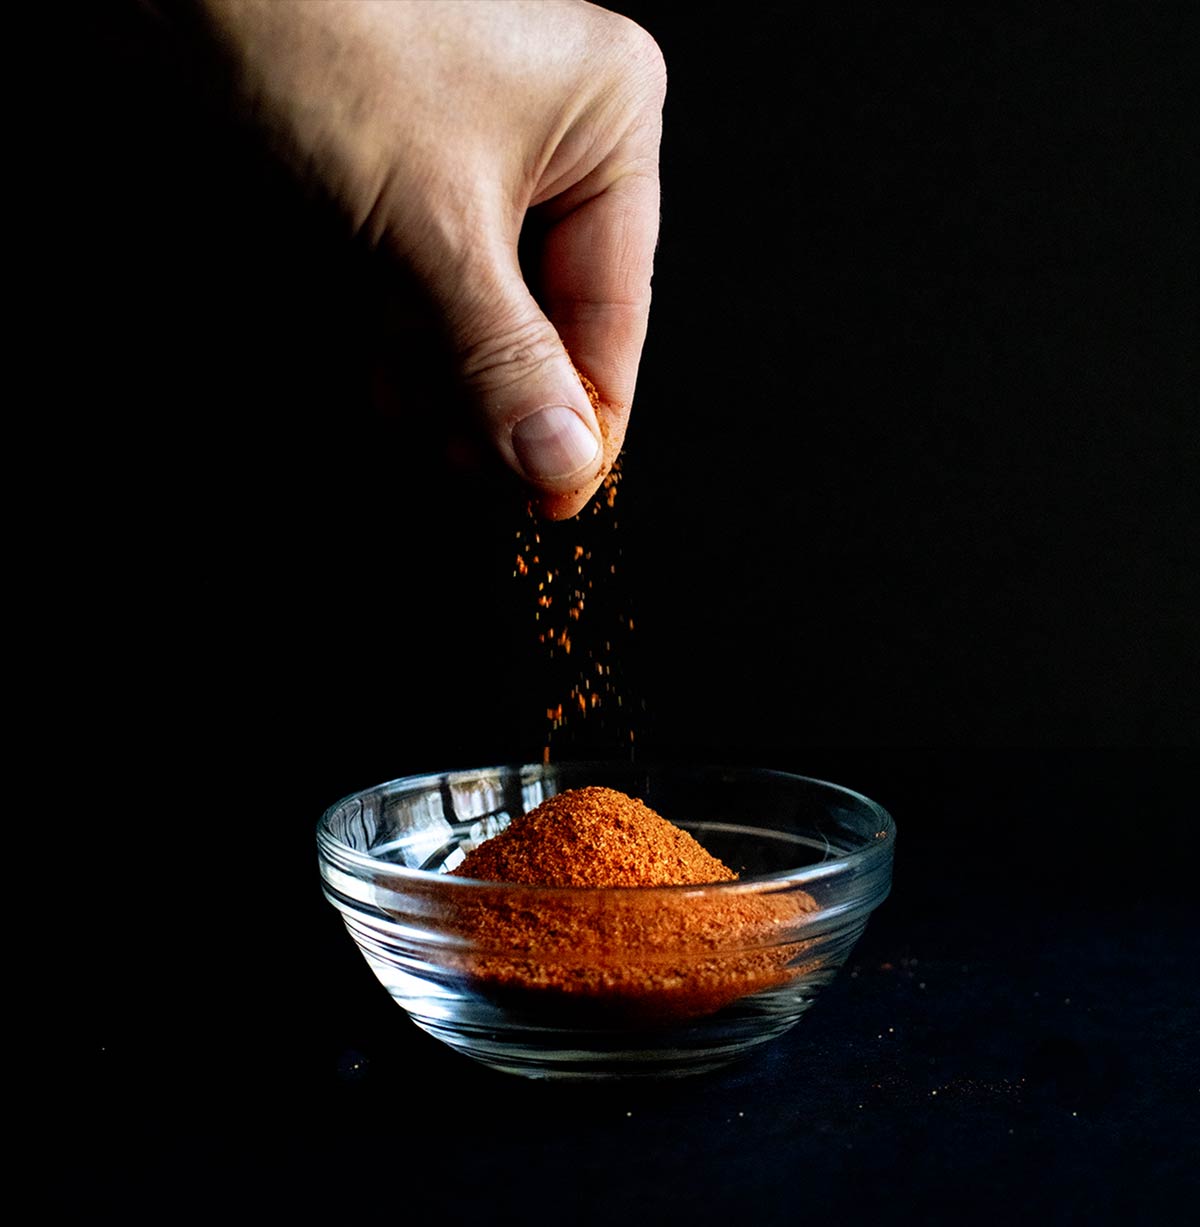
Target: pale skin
{"type": "Point", "coordinates": [437, 126]}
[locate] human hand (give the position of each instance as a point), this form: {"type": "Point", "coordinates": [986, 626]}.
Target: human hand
{"type": "Point", "coordinates": [437, 126]}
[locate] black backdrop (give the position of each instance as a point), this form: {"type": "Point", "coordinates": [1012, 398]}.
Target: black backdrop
{"type": "Point", "coordinates": [913, 456]}
{"type": "Point", "coordinates": [909, 503]}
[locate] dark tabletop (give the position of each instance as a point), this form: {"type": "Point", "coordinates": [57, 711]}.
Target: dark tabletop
{"type": "Point", "coordinates": [1015, 1034]}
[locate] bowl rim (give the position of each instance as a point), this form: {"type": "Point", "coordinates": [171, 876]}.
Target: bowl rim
{"type": "Point", "coordinates": [862, 860]}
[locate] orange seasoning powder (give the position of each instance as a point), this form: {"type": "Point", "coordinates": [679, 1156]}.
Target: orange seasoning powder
{"type": "Point", "coordinates": [621, 957]}
{"type": "Point", "coordinates": [593, 837]}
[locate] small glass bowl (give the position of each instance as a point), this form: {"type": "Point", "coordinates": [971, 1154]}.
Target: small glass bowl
{"type": "Point", "coordinates": [578, 982]}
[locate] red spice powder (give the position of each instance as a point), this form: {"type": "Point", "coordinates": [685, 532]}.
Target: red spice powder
{"type": "Point", "coordinates": [620, 956]}
{"type": "Point", "coordinates": [593, 837]}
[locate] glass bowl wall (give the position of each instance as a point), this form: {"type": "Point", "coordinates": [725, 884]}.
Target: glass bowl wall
{"type": "Point", "coordinates": [586, 982]}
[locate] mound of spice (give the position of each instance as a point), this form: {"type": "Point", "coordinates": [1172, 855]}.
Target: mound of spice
{"type": "Point", "coordinates": [622, 957]}
{"type": "Point", "coordinates": [593, 837]}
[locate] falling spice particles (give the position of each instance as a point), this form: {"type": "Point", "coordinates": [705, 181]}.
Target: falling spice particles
{"type": "Point", "coordinates": [620, 956]}
{"type": "Point", "coordinates": [580, 615]}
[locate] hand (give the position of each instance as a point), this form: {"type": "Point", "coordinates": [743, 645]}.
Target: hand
{"type": "Point", "coordinates": [438, 126]}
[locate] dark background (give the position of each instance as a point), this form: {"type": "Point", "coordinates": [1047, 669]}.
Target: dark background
{"type": "Point", "coordinates": [913, 459]}
{"type": "Point", "coordinates": [909, 503]}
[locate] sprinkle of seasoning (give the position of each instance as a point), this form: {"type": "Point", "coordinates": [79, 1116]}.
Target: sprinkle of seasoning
{"type": "Point", "coordinates": [580, 615]}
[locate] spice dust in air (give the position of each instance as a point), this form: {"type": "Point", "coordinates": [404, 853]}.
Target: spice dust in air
{"type": "Point", "coordinates": [582, 619]}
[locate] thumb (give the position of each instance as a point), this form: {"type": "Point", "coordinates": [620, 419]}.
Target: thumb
{"type": "Point", "coordinates": [524, 387]}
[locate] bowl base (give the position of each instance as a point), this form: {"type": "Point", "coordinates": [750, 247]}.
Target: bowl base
{"type": "Point", "coordinates": [584, 1056]}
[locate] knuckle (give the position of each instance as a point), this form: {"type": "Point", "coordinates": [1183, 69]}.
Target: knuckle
{"type": "Point", "coordinates": [645, 56]}
{"type": "Point", "coordinates": [511, 355]}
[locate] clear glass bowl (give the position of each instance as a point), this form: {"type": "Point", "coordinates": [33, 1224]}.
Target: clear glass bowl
{"type": "Point", "coordinates": [575, 982]}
